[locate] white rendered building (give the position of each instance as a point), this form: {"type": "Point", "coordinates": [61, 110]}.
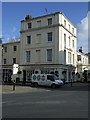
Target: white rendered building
{"type": "Point", "coordinates": [11, 55]}
{"type": "Point", "coordinates": [48, 43]}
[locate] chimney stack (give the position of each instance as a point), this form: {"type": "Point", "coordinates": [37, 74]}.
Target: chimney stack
{"type": "Point", "coordinates": [80, 49]}
{"type": "Point", "coordinates": [28, 17]}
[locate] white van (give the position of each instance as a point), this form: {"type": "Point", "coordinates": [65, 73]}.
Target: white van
{"type": "Point", "coordinates": [46, 80]}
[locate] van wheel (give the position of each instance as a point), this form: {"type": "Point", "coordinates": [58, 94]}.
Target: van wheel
{"type": "Point", "coordinates": [53, 86]}
{"type": "Point", "coordinates": [35, 84]}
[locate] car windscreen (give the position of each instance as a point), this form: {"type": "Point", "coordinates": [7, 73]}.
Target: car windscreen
{"type": "Point", "coordinates": [50, 77]}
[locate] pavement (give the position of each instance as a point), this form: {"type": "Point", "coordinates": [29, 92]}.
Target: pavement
{"type": "Point", "coordinates": [8, 89]}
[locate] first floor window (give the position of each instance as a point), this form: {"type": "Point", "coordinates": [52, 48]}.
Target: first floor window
{"type": "Point", "coordinates": [69, 57]}
{"type": "Point", "coordinates": [14, 60]}
{"type": "Point", "coordinates": [49, 55]}
{"type": "Point", "coordinates": [27, 56]}
{"type": "Point", "coordinates": [4, 61]}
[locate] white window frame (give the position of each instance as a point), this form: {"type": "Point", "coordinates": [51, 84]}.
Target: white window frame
{"type": "Point", "coordinates": [47, 55]}
{"type": "Point", "coordinates": [28, 60]}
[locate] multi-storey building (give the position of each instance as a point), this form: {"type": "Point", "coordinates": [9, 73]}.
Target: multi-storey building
{"type": "Point", "coordinates": [82, 62]}
{"type": "Point", "coordinates": [82, 65]}
{"type": "Point", "coordinates": [48, 43]}
{"type": "Point", "coordinates": [11, 55]}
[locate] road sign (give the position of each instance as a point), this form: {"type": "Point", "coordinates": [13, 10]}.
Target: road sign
{"type": "Point", "coordinates": [15, 68]}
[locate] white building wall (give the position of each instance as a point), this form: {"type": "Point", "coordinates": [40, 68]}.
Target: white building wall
{"type": "Point", "coordinates": [83, 63]}
{"type": "Point", "coordinates": [64, 30]}
{"type": "Point", "coordinates": [43, 46]}
{"type": "Point", "coordinates": [57, 43]}
{"type": "Point", "coordinates": [10, 54]}
{"type": "Point", "coordinates": [42, 19]}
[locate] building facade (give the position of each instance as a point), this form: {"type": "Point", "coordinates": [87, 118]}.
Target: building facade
{"type": "Point", "coordinates": [11, 55]}
{"type": "Point", "coordinates": [82, 62]}
{"type": "Point", "coordinates": [48, 43]}
{"type": "Point", "coordinates": [82, 66]}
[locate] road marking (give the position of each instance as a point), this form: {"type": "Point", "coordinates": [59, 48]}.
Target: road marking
{"type": "Point", "coordinates": [3, 102]}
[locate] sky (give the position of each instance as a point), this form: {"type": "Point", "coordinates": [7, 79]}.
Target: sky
{"type": "Point", "coordinates": [14, 12]}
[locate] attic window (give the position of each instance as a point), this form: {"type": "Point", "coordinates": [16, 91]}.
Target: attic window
{"type": "Point", "coordinates": [29, 25]}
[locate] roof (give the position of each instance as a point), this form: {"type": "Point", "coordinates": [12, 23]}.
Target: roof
{"type": "Point", "coordinates": [11, 42]}
{"type": "Point", "coordinates": [82, 53]}
{"type": "Point", "coordinates": [48, 16]}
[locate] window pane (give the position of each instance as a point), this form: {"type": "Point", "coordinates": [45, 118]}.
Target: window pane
{"type": "Point", "coordinates": [50, 36]}
{"type": "Point", "coordinates": [14, 60]}
{"type": "Point", "coordinates": [64, 40]}
{"type": "Point", "coordinates": [29, 25]}
{"type": "Point", "coordinates": [49, 21]}
{"type": "Point", "coordinates": [49, 54]}
{"type": "Point", "coordinates": [69, 57]}
{"type": "Point", "coordinates": [27, 56]}
{"type": "Point", "coordinates": [69, 41]}
{"type": "Point", "coordinates": [14, 48]}
{"type": "Point", "coordinates": [78, 57]}
{"type": "Point", "coordinates": [28, 39]}
{"type": "Point", "coordinates": [4, 61]}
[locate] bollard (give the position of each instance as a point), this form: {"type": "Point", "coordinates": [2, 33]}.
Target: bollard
{"type": "Point", "coordinates": [71, 82]}
{"type": "Point", "coordinates": [14, 85]}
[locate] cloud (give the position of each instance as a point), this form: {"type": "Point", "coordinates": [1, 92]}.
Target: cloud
{"type": "Point", "coordinates": [14, 29]}
{"type": "Point", "coordinates": [8, 37]}
{"type": "Point", "coordinates": [82, 34]}
{"type": "Point", "coordinates": [1, 36]}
